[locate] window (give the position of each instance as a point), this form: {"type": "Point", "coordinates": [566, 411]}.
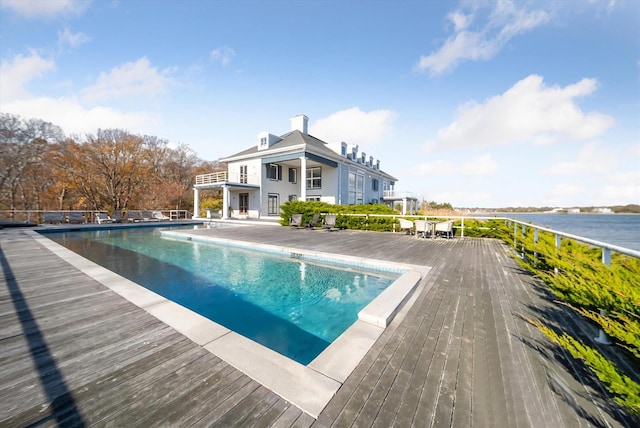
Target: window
{"type": "Point", "coordinates": [356, 188]}
{"type": "Point", "coordinates": [374, 184]}
{"type": "Point", "coordinates": [244, 203]}
{"type": "Point", "coordinates": [293, 175]}
{"type": "Point", "coordinates": [314, 178]}
{"type": "Point", "coordinates": [273, 205]}
{"type": "Point", "coordinates": [263, 141]}
{"type": "Point", "coordinates": [313, 198]}
{"type": "Point", "coordinates": [274, 171]}
{"type": "Point", "coordinates": [243, 174]}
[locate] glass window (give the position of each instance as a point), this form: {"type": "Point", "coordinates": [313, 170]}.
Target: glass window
{"type": "Point", "coordinates": [244, 203]}
{"type": "Point", "coordinates": [293, 175]}
{"type": "Point", "coordinates": [374, 184]}
{"type": "Point", "coordinates": [356, 188]}
{"type": "Point", "coordinates": [243, 174]}
{"type": "Point", "coordinates": [274, 171]}
{"type": "Point", "coordinates": [314, 178]}
{"type": "Point", "coordinates": [273, 205]}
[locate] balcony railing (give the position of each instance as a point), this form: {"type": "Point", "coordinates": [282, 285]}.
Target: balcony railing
{"type": "Point", "coordinates": [399, 194]}
{"type": "Point", "coordinates": [226, 177]}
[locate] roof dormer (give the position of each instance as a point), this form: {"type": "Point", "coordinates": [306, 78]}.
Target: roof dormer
{"type": "Point", "coordinates": [266, 140]}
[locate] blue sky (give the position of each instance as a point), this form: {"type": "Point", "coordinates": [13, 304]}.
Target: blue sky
{"type": "Point", "coordinates": [476, 103]}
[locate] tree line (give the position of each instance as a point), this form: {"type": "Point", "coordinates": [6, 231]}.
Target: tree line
{"type": "Point", "coordinates": [43, 169]}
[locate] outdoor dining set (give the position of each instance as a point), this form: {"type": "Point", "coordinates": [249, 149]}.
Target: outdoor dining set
{"type": "Point", "coordinates": [427, 228]}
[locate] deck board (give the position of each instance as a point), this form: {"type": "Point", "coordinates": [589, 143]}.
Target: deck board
{"type": "Point", "coordinates": [74, 353]}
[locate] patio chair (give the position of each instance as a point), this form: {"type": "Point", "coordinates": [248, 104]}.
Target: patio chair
{"type": "Point", "coordinates": [103, 218]}
{"type": "Point", "coordinates": [423, 228]}
{"type": "Point", "coordinates": [406, 225]}
{"type": "Point", "coordinates": [314, 221]}
{"type": "Point", "coordinates": [329, 222]}
{"type": "Point", "coordinates": [117, 216]}
{"type": "Point", "coordinates": [75, 217]}
{"type": "Point", "coordinates": [295, 220]}
{"type": "Point", "coordinates": [53, 217]}
{"type": "Point", "coordinates": [445, 229]}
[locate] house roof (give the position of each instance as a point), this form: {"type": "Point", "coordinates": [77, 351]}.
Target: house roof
{"type": "Point", "coordinates": [292, 139]}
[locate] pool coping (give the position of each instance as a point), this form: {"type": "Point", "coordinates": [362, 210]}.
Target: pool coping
{"type": "Point", "coordinates": [308, 387]}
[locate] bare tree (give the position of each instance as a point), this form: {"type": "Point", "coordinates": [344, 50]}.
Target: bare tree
{"type": "Point", "coordinates": [23, 145]}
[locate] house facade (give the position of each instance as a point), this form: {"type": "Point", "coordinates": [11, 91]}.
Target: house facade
{"type": "Point", "coordinates": [298, 166]}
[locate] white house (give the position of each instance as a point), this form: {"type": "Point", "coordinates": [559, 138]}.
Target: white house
{"type": "Point", "coordinates": [298, 166]}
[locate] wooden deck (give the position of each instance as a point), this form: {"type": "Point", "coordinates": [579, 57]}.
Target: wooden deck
{"type": "Point", "coordinates": [74, 353]}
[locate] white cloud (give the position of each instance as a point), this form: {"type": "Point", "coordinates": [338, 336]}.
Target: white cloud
{"type": "Point", "coordinates": [14, 75]}
{"type": "Point", "coordinates": [621, 188]}
{"type": "Point", "coordinates": [355, 126]}
{"type": "Point", "coordinates": [74, 118]}
{"type": "Point", "coordinates": [481, 166]}
{"type": "Point", "coordinates": [529, 111]}
{"type": "Point", "coordinates": [505, 22]}
{"type": "Point", "coordinates": [46, 8]}
{"type": "Point", "coordinates": [73, 40]}
{"type": "Point", "coordinates": [564, 194]}
{"type": "Point", "coordinates": [471, 198]}
{"type": "Point", "coordinates": [68, 113]}
{"type": "Point", "coordinates": [224, 55]}
{"type": "Point", "coordinates": [132, 79]}
{"type": "Point", "coordinates": [459, 20]}
{"type": "Point", "coordinates": [590, 159]}
{"type": "Point", "coordinates": [437, 168]}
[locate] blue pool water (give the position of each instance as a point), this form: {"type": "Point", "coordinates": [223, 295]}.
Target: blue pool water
{"type": "Point", "coordinates": [294, 307]}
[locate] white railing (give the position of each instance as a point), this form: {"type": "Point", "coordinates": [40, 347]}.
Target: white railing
{"type": "Point", "coordinates": [211, 178]}
{"type": "Point", "coordinates": [399, 194]}
{"type": "Point", "coordinates": [519, 228]}
{"type": "Point", "coordinates": [226, 177]}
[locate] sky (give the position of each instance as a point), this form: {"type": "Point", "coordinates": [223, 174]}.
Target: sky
{"type": "Point", "coordinates": [474, 103]}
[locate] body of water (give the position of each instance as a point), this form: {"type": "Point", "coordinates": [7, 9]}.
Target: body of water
{"type": "Point", "coordinates": [618, 229]}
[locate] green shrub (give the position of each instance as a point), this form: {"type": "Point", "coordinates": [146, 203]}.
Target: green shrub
{"type": "Point", "coordinates": [309, 208]}
{"type": "Point", "coordinates": [575, 273]}
{"type": "Point", "coordinates": [212, 203]}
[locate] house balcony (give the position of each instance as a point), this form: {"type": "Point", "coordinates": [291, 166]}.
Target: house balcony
{"type": "Point", "coordinates": [216, 179]}
{"type": "Point", "coordinates": [398, 195]}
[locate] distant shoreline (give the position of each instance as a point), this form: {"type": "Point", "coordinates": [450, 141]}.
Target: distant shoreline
{"type": "Point", "coordinates": [559, 213]}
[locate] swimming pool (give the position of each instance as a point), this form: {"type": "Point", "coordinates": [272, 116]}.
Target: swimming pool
{"type": "Point", "coordinates": [295, 307]}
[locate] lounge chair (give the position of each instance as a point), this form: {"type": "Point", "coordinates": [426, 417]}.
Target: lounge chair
{"type": "Point", "coordinates": [147, 216]}
{"type": "Point", "coordinates": [445, 229]}
{"type": "Point", "coordinates": [134, 215]}
{"type": "Point", "coordinates": [103, 218]}
{"type": "Point", "coordinates": [295, 220]}
{"type": "Point", "coordinates": [329, 222]}
{"type": "Point", "coordinates": [161, 217]}
{"type": "Point", "coordinates": [53, 217]}
{"type": "Point", "coordinates": [75, 217]}
{"type": "Point", "coordinates": [117, 216]}
{"type": "Point", "coordinates": [406, 225]}
{"type": "Point", "coordinates": [314, 221]}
